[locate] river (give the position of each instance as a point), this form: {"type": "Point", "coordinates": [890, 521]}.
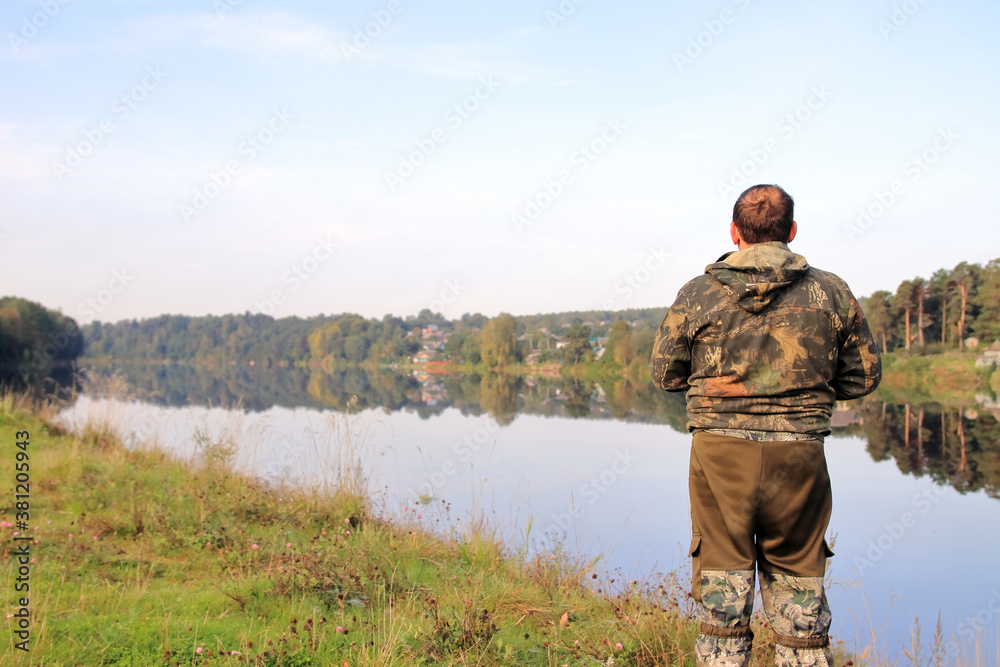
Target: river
{"type": "Point", "coordinates": [590, 471]}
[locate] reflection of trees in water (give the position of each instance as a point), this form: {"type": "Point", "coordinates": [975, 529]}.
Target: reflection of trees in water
{"type": "Point", "coordinates": [619, 397]}
{"type": "Point", "coordinates": [954, 446]}
{"type": "Point", "coordinates": [256, 388]}
{"type": "Point", "coordinates": [498, 396]}
{"type": "Point", "coordinates": [958, 446]}
{"type": "Point", "coordinates": [578, 393]}
{"type": "Point", "coordinates": [503, 396]}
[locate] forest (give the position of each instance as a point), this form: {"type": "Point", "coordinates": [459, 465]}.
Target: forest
{"type": "Point", "coordinates": [35, 343]}
{"type": "Point", "coordinates": [949, 310]}
{"type": "Point", "coordinates": [953, 309]}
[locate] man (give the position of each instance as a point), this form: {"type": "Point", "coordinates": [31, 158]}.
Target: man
{"type": "Point", "coordinates": [763, 344]}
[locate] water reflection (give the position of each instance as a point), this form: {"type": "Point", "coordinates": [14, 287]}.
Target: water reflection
{"type": "Point", "coordinates": [954, 444]}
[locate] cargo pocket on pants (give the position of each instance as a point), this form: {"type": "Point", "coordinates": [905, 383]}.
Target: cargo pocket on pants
{"type": "Point", "coordinates": [695, 553]}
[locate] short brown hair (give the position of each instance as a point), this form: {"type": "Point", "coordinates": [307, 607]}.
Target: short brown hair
{"type": "Point", "coordinates": [764, 213]}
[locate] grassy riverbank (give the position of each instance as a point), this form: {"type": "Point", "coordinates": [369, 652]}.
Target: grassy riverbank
{"type": "Point", "coordinates": [140, 559]}
{"type": "Point", "coordinates": [950, 376]}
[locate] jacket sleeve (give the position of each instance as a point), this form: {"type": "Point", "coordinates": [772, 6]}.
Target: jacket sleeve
{"type": "Point", "coordinates": [670, 363]}
{"type": "Point", "coordinates": [859, 364]}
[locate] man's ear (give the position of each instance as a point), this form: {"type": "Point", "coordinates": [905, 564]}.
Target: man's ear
{"type": "Point", "coordinates": [734, 233]}
{"type": "Point", "coordinates": [791, 234]}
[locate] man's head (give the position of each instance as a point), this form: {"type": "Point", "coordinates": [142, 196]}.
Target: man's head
{"type": "Point", "coordinates": [763, 213]}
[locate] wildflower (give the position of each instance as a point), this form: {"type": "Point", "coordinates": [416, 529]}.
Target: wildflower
{"type": "Point", "coordinates": [235, 653]}
{"type": "Point", "coordinates": [289, 545]}
{"type": "Point", "coordinates": [618, 646]}
{"type": "Point", "coordinates": [254, 546]}
{"type": "Point", "coordinates": [198, 650]}
{"type": "Point", "coordinates": [340, 629]}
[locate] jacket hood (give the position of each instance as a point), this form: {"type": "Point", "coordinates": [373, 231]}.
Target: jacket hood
{"type": "Point", "coordinates": [758, 273]}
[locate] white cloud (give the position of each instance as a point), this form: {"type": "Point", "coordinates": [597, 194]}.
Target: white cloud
{"type": "Point", "coordinates": [274, 37]}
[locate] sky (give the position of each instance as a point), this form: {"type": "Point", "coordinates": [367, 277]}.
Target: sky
{"type": "Point", "coordinates": [302, 158]}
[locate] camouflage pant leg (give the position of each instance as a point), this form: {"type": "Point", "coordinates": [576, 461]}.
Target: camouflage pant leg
{"type": "Point", "coordinates": [800, 617]}
{"type": "Point", "coordinates": [724, 611]}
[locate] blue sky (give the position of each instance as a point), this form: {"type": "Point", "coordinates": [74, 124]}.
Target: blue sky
{"type": "Point", "coordinates": [298, 158]}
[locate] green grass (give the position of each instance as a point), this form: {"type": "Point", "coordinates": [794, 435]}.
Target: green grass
{"type": "Point", "coordinates": [141, 559]}
{"type": "Point", "coordinates": [941, 378]}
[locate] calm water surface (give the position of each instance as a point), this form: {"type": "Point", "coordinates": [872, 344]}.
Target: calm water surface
{"type": "Point", "coordinates": [602, 471]}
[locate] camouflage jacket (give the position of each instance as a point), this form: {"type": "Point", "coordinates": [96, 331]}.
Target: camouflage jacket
{"type": "Point", "coordinates": [764, 342]}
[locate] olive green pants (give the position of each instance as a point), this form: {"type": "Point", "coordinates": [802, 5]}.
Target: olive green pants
{"type": "Point", "coordinates": [760, 506]}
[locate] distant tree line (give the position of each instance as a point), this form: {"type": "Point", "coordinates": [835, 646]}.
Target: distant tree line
{"type": "Point", "coordinates": [938, 313]}
{"type": "Point", "coordinates": [924, 315]}
{"type": "Point", "coordinates": [352, 339]}
{"type": "Point", "coordinates": [209, 339]}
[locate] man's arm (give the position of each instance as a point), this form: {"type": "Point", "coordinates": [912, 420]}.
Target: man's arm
{"type": "Point", "coordinates": [859, 364]}
{"type": "Point", "coordinates": [670, 363]}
